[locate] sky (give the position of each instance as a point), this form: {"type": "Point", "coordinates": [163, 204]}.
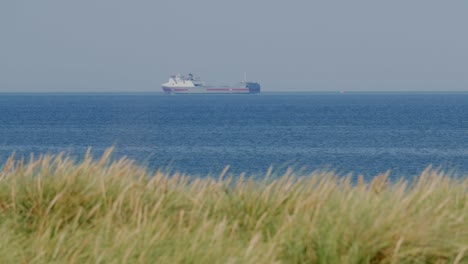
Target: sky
{"type": "Point", "coordinates": [327, 45]}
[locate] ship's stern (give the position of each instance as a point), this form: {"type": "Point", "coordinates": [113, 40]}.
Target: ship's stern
{"type": "Point", "coordinates": [253, 87]}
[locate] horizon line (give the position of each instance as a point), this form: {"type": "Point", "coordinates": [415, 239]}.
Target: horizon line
{"type": "Point", "coordinates": [267, 92]}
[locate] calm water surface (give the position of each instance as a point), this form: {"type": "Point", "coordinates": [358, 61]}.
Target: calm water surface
{"type": "Point", "coordinates": [364, 133]}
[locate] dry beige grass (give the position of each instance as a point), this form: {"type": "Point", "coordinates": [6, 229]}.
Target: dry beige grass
{"type": "Point", "coordinates": [55, 210]}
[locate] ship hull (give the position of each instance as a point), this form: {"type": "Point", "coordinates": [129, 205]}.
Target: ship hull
{"type": "Point", "coordinates": [212, 90]}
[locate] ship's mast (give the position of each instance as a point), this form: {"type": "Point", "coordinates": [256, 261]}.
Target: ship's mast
{"type": "Point", "coordinates": [245, 76]}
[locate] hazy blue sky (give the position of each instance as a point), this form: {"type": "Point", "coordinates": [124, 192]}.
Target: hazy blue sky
{"type": "Point", "coordinates": [116, 45]}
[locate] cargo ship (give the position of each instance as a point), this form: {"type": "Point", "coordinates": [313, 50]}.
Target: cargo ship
{"type": "Point", "coordinates": [180, 84]}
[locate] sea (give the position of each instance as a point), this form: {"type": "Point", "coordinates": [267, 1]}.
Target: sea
{"type": "Point", "coordinates": [353, 132]}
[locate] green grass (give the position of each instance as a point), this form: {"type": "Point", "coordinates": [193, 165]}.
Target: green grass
{"type": "Point", "coordinates": [56, 210]}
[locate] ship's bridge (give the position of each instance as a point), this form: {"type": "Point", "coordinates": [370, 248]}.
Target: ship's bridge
{"type": "Point", "coordinates": [183, 81]}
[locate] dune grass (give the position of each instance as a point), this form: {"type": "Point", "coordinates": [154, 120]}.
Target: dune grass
{"type": "Point", "coordinates": [56, 210]}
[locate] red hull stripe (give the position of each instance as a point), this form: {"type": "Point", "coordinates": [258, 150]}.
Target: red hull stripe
{"type": "Point", "coordinates": [227, 89]}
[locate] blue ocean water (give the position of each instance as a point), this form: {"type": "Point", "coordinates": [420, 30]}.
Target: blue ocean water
{"type": "Point", "coordinates": [365, 133]}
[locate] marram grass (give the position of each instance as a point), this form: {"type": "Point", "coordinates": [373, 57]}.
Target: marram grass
{"type": "Point", "coordinates": [56, 210]}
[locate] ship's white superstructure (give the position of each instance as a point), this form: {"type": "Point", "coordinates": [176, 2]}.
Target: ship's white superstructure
{"type": "Point", "coordinates": [188, 84]}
